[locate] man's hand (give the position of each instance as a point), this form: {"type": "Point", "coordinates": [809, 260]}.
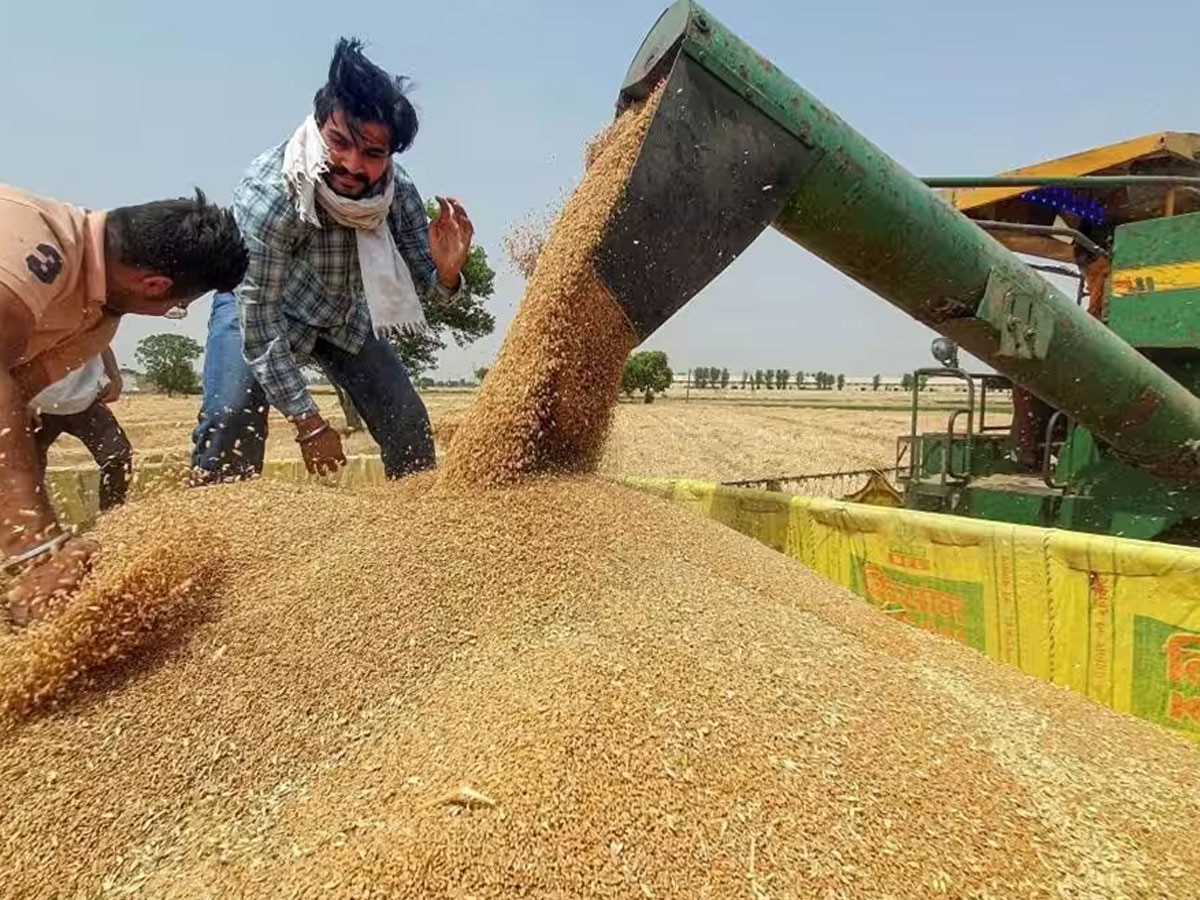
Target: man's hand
{"type": "Point", "coordinates": [450, 240]}
{"type": "Point", "coordinates": [320, 445]}
{"type": "Point", "coordinates": [112, 390]}
{"type": "Point", "coordinates": [49, 581]}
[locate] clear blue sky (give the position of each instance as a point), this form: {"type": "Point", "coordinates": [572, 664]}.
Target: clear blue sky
{"type": "Point", "coordinates": [125, 101]}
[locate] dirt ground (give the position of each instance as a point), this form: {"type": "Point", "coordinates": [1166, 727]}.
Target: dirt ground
{"type": "Point", "coordinates": [701, 438]}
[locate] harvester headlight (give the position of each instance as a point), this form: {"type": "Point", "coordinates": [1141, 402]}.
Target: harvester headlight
{"type": "Point", "coordinates": [945, 351]}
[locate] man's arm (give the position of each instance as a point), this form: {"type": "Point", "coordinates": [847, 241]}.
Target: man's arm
{"type": "Point", "coordinates": [112, 390]}
{"type": "Point", "coordinates": [267, 230]}
{"type": "Point", "coordinates": [26, 516]}
{"type": "Point", "coordinates": [411, 232]}
{"type": "Point", "coordinates": [111, 369]}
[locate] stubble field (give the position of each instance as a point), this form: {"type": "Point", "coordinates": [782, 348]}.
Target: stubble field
{"type": "Point", "coordinates": [706, 438]}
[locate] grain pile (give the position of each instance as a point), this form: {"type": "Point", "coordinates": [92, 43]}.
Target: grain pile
{"type": "Point", "coordinates": [547, 403]}
{"type": "Point", "coordinates": [570, 689]}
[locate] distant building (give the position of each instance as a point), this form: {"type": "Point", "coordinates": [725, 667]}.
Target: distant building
{"type": "Point", "coordinates": [131, 381]}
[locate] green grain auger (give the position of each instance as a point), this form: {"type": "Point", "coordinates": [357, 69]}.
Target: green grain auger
{"type": "Point", "coordinates": [736, 146]}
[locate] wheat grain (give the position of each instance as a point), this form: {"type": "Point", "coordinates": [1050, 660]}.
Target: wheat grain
{"type": "Point", "coordinates": [547, 403]}
{"type": "Point", "coordinates": [567, 689]}
{"type": "Point", "coordinates": [127, 605]}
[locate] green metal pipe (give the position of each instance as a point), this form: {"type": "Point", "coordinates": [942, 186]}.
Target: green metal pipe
{"type": "Point", "coordinates": [725, 109]}
{"type": "Point", "coordinates": [1079, 181]}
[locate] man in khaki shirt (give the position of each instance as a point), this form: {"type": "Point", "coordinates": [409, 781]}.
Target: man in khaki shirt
{"type": "Point", "coordinates": [67, 275]}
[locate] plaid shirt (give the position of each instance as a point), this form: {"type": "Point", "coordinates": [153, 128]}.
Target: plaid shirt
{"type": "Point", "coordinates": [304, 283]}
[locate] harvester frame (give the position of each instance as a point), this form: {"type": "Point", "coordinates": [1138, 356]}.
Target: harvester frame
{"type": "Point", "coordinates": [734, 146]}
{"type": "Point", "coordinates": [1078, 482]}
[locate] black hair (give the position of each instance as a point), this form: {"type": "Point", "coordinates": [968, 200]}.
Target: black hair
{"type": "Point", "coordinates": [366, 93]}
{"type": "Point", "coordinates": [196, 244]}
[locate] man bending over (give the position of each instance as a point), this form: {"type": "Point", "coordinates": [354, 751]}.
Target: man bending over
{"type": "Point", "coordinates": [78, 405]}
{"type": "Point", "coordinates": [67, 275]}
{"type": "Point", "coordinates": [341, 255]}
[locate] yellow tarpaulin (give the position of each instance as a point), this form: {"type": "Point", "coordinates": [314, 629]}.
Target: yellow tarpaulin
{"type": "Point", "coordinates": [1115, 619]}
{"type": "Point", "coordinates": [74, 492]}
{"type": "Point", "coordinates": [1128, 616]}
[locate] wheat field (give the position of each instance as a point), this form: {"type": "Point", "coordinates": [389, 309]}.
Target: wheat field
{"type": "Point", "coordinates": [699, 438]}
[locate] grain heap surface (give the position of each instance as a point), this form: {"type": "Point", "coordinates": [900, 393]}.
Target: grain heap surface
{"type": "Point", "coordinates": [547, 403]}
{"type": "Point", "coordinates": [569, 690]}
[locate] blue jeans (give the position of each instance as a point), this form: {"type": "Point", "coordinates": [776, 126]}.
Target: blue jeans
{"type": "Point", "coordinates": [231, 432]}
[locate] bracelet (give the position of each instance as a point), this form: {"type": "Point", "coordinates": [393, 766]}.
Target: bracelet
{"type": "Point", "coordinates": [49, 546]}
{"type": "Point", "coordinates": [304, 438]}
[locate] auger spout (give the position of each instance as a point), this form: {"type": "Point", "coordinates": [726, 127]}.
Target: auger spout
{"type": "Point", "coordinates": [736, 146]}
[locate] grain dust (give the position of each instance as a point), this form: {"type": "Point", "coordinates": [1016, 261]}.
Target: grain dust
{"type": "Point", "coordinates": [568, 689]}
{"type": "Point", "coordinates": [523, 245]}
{"type": "Point", "coordinates": [547, 403]}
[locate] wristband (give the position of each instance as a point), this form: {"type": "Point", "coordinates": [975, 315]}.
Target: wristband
{"type": "Point", "coordinates": [305, 438]}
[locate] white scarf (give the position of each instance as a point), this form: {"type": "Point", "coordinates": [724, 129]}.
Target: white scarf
{"type": "Point", "coordinates": [391, 296]}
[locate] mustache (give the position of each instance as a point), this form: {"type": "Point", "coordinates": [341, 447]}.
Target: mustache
{"type": "Point", "coordinates": [345, 173]}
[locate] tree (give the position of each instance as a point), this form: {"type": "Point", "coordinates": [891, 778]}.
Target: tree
{"type": "Point", "coordinates": [841, 382]}
{"type": "Point", "coordinates": [875, 382]}
{"type": "Point", "coordinates": [745, 379]}
{"type": "Point", "coordinates": [481, 373]}
{"type": "Point", "coordinates": [799, 381]}
{"type": "Point", "coordinates": [699, 376]}
{"type": "Point", "coordinates": [758, 378]}
{"type": "Point", "coordinates": [168, 361]}
{"type": "Point", "coordinates": [724, 379]}
{"type": "Point", "coordinates": [648, 372]}
{"type": "Point", "coordinates": [769, 378]}
{"type": "Point", "coordinates": [782, 377]}
{"type": "Point", "coordinates": [465, 321]}
{"type": "Point", "coordinates": [906, 381]}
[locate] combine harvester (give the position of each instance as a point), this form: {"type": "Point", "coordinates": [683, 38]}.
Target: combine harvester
{"type": "Point", "coordinates": [1068, 564]}
{"type": "Point", "coordinates": [1052, 545]}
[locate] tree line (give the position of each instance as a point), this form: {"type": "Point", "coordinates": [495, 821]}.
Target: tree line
{"type": "Point", "coordinates": [773, 379]}
{"type": "Point", "coordinates": [649, 373]}
{"type": "Point", "coordinates": [168, 361]}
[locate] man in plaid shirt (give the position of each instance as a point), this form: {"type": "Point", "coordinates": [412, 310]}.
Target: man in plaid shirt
{"type": "Point", "coordinates": [303, 299]}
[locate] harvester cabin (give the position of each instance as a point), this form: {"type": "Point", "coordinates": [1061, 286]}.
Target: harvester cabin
{"type": "Point", "coordinates": [1092, 210]}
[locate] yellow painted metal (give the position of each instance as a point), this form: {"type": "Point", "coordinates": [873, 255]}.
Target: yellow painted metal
{"type": "Point", "coordinates": [1168, 277]}
{"type": "Point", "coordinates": [878, 491]}
{"type": "Point", "coordinates": [1097, 161]}
{"type": "Point", "coordinates": [1125, 157]}
{"type": "Point", "coordinates": [1115, 619]}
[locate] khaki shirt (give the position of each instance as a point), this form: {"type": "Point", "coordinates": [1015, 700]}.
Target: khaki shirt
{"type": "Point", "coordinates": [52, 261]}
